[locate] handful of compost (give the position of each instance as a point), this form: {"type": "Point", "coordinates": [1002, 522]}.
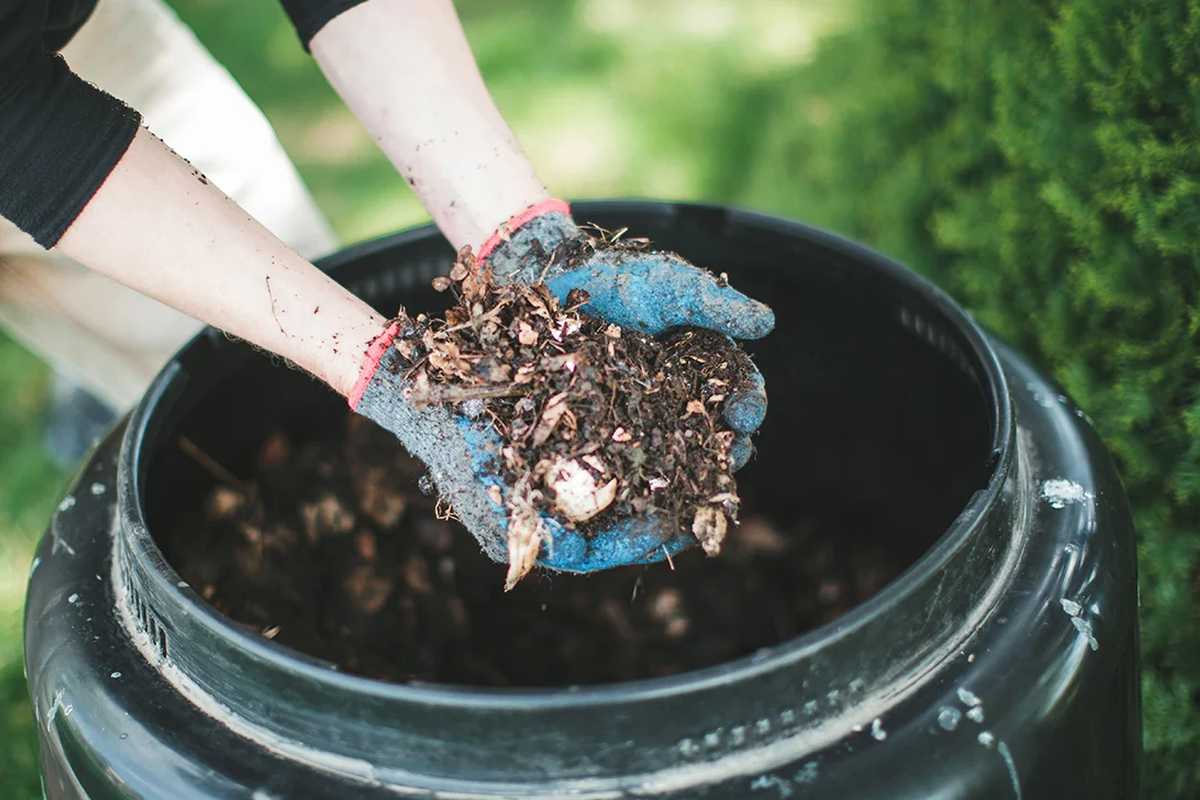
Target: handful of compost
{"type": "Point", "coordinates": [561, 421]}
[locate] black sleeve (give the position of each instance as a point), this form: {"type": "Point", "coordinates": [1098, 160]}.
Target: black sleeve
{"type": "Point", "coordinates": [60, 136]}
{"type": "Point", "coordinates": [309, 16]}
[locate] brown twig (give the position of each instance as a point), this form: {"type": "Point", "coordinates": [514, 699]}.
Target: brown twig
{"type": "Point", "coordinates": [213, 467]}
{"type": "Point", "coordinates": [475, 322]}
{"type": "Point", "coordinates": [450, 393]}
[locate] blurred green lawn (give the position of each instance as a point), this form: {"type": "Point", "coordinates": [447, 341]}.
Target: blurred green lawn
{"type": "Point", "coordinates": [609, 98]}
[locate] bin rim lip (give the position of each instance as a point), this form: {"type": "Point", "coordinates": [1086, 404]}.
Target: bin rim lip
{"type": "Point", "coordinates": [134, 529]}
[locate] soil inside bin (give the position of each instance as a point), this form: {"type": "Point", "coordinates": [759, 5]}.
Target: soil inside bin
{"type": "Point", "coordinates": [332, 549]}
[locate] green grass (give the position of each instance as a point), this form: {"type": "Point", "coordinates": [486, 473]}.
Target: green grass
{"type": "Point", "coordinates": [27, 494]}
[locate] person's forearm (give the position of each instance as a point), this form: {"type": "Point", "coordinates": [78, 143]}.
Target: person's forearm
{"type": "Point", "coordinates": [406, 70]}
{"type": "Point", "coordinates": [158, 226]}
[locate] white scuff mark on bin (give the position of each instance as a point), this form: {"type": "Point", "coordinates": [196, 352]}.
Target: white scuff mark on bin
{"type": "Point", "coordinates": [1039, 397]}
{"type": "Point", "coordinates": [768, 782]}
{"type": "Point", "coordinates": [57, 542]}
{"type": "Point", "coordinates": [948, 718]}
{"type": "Point", "coordinates": [1085, 629]}
{"type": "Point", "coordinates": [807, 773]}
{"type": "Point", "coordinates": [1012, 768]}
{"type": "Point", "coordinates": [1074, 610]}
{"type": "Point", "coordinates": [989, 740]}
{"type": "Point", "coordinates": [37, 561]}
{"type": "Point", "coordinates": [1060, 492]}
{"type": "Point", "coordinates": [55, 704]}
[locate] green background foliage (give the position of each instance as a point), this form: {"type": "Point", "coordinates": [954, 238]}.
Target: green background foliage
{"type": "Point", "coordinates": [1039, 160]}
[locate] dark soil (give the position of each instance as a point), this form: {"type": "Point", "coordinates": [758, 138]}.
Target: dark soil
{"type": "Point", "coordinates": [598, 422]}
{"type": "Point", "coordinates": [330, 548]}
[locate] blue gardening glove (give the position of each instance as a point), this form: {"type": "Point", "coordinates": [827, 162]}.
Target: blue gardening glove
{"type": "Point", "coordinates": [647, 291]}
{"type": "Point", "coordinates": [462, 451]}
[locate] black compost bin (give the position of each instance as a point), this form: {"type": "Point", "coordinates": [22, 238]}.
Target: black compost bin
{"type": "Point", "coordinates": [999, 661]}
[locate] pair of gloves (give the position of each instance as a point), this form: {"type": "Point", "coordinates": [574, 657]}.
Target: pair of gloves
{"type": "Point", "coordinates": [650, 292]}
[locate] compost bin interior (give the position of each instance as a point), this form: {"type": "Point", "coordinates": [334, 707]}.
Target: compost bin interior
{"type": "Point", "coordinates": [877, 436]}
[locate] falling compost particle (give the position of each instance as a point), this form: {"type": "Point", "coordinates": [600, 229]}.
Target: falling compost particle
{"type": "Point", "coordinates": [975, 714]}
{"type": "Point", "coordinates": [73, 599]}
{"type": "Point", "coordinates": [968, 697]}
{"type": "Point", "coordinates": [98, 489]}
{"type": "Point", "coordinates": [877, 731]}
{"type": "Point", "coordinates": [67, 503]}
{"type": "Point", "coordinates": [115, 675]}
{"type": "Point", "coordinates": [1071, 607]}
{"type": "Point", "coordinates": [986, 739]}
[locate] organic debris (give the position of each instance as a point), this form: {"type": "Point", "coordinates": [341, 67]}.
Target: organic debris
{"type": "Point", "coordinates": [598, 422]}
{"type": "Point", "coordinates": [325, 544]}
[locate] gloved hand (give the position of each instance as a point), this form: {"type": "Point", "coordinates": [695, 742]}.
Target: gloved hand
{"type": "Point", "coordinates": [646, 291]}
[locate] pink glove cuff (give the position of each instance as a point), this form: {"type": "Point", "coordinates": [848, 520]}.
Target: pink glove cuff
{"type": "Point", "coordinates": [506, 230]}
{"type": "Point", "coordinates": [375, 352]}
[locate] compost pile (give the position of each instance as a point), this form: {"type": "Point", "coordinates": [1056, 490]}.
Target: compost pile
{"type": "Point", "coordinates": [598, 422]}
{"type": "Point", "coordinates": [326, 544]}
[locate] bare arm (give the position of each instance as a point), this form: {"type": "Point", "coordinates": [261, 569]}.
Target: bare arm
{"type": "Point", "coordinates": [196, 250]}
{"type": "Point", "coordinates": [406, 70]}
{"type": "Point", "coordinates": [159, 227]}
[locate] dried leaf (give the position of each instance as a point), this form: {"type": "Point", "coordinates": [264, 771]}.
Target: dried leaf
{"type": "Point", "coordinates": [526, 335]}
{"type": "Point", "coordinates": [556, 406]}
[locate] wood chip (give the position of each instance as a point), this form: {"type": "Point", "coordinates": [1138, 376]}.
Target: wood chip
{"type": "Point", "coordinates": [578, 495]}
{"type": "Point", "coordinates": [526, 335]}
{"type": "Point", "coordinates": [525, 533]}
{"type": "Point", "coordinates": [709, 527]}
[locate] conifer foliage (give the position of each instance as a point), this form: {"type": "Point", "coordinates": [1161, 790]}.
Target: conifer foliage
{"type": "Point", "coordinates": [1041, 161]}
